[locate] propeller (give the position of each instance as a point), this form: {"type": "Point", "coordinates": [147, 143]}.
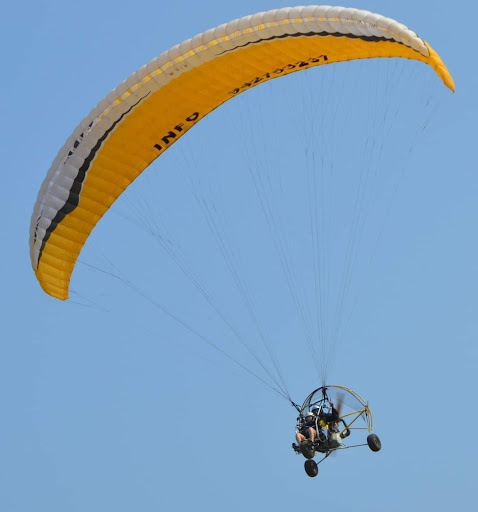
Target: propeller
{"type": "Point", "coordinates": [340, 403]}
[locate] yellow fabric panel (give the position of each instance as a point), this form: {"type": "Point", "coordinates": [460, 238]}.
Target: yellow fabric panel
{"type": "Point", "coordinates": [130, 148]}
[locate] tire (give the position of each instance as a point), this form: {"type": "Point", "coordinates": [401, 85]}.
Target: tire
{"type": "Point", "coordinates": [307, 450]}
{"type": "Point", "coordinates": [374, 443]}
{"type": "Point", "coordinates": [311, 468]}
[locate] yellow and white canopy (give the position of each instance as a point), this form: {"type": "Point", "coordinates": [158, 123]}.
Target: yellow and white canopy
{"type": "Point", "coordinates": [155, 106]}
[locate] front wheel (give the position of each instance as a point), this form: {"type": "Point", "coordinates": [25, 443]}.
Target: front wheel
{"type": "Point", "coordinates": [311, 468]}
{"type": "Point", "coordinates": [373, 442]}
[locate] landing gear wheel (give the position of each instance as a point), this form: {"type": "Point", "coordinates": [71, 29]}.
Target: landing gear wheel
{"type": "Point", "coordinates": [311, 468]}
{"type": "Point", "coordinates": [307, 449]}
{"type": "Point", "coordinates": [373, 442]}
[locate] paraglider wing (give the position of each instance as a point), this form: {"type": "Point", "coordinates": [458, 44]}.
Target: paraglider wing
{"type": "Point", "coordinates": [155, 106]}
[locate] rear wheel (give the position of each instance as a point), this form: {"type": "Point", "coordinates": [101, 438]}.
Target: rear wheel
{"type": "Point", "coordinates": [307, 449]}
{"type": "Point", "coordinates": [311, 468]}
{"type": "Point", "coordinates": [373, 442]}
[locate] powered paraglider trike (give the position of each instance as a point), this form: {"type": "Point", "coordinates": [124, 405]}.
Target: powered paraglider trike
{"type": "Point", "coordinates": [336, 414]}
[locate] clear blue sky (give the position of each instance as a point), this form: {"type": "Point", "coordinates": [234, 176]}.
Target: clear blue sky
{"type": "Point", "coordinates": [110, 404]}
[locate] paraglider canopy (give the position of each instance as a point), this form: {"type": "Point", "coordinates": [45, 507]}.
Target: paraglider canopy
{"type": "Point", "coordinates": [158, 104]}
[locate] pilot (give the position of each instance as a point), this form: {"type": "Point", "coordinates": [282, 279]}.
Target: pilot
{"type": "Point", "coordinates": [306, 430]}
